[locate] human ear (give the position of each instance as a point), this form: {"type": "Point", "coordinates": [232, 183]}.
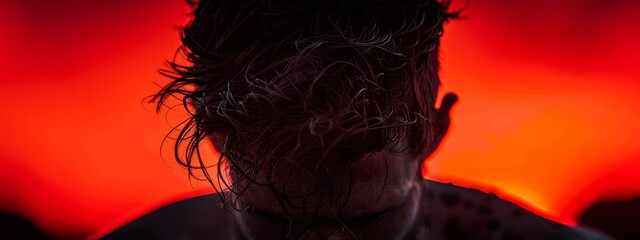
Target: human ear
{"type": "Point", "coordinates": [441, 122]}
{"type": "Point", "coordinates": [443, 117]}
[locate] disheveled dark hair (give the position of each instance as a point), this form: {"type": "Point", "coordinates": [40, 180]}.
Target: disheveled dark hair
{"type": "Point", "coordinates": [304, 83]}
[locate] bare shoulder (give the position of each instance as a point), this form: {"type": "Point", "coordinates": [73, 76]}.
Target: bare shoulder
{"type": "Point", "coordinates": [456, 212]}
{"type": "Point", "coordinates": [194, 218]}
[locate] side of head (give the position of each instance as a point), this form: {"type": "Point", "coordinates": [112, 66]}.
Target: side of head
{"type": "Point", "coordinates": [301, 96]}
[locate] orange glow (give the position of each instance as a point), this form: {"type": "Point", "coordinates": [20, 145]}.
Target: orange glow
{"type": "Point", "coordinates": [547, 114]}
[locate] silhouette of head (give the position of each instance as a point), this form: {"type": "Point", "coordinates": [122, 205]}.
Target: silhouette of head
{"type": "Point", "coordinates": [322, 111]}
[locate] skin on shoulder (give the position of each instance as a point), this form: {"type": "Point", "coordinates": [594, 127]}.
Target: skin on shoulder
{"type": "Point", "coordinates": [445, 211]}
{"type": "Point", "coordinates": [462, 213]}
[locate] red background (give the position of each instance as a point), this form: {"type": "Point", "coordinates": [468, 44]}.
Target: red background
{"type": "Point", "coordinates": [547, 118]}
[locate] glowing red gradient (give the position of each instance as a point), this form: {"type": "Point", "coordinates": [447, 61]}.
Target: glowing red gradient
{"type": "Point", "coordinates": [547, 114]}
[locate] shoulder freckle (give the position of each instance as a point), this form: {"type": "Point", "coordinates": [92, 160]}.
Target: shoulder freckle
{"type": "Point", "coordinates": [493, 225]}
{"type": "Point", "coordinates": [452, 229]}
{"type": "Point", "coordinates": [509, 234]}
{"type": "Point", "coordinates": [485, 210]}
{"type": "Point", "coordinates": [430, 193]}
{"type": "Point", "coordinates": [467, 204]}
{"type": "Point", "coordinates": [450, 199]}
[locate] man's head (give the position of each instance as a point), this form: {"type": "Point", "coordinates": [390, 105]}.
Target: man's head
{"type": "Point", "coordinates": [323, 111]}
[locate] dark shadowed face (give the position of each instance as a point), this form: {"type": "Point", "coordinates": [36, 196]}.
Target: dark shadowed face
{"type": "Point", "coordinates": [382, 204]}
{"type": "Point", "coordinates": [382, 201]}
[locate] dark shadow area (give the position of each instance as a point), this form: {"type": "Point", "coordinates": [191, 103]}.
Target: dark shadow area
{"type": "Point", "coordinates": [620, 219]}
{"type": "Point", "coordinates": [13, 226]}
{"type": "Point", "coordinates": [195, 218]}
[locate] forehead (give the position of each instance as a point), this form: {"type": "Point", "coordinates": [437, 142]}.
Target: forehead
{"type": "Point", "coordinates": [370, 185]}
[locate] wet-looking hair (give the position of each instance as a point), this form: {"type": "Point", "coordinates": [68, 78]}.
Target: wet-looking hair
{"type": "Point", "coordinates": [303, 84]}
